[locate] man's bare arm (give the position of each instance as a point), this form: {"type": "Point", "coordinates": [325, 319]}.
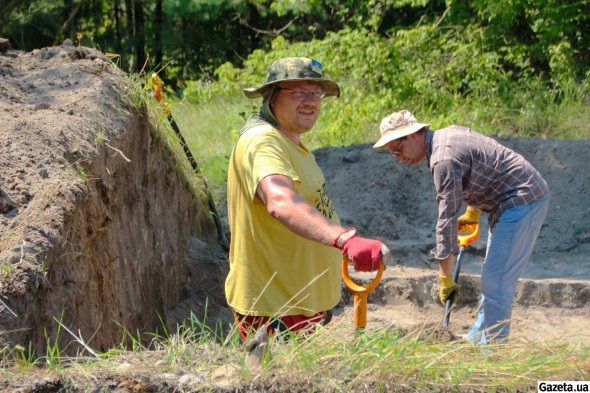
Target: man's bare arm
{"type": "Point", "coordinates": [293, 211]}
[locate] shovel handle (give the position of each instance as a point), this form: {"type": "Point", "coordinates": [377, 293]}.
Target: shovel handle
{"type": "Point", "coordinates": [468, 233]}
{"type": "Point", "coordinates": [354, 287]}
{"type": "Point", "coordinates": [451, 299]}
{"type": "Point", "coordinates": [360, 292]}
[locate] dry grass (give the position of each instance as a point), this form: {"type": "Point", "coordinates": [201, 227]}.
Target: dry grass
{"type": "Point", "coordinates": [335, 358]}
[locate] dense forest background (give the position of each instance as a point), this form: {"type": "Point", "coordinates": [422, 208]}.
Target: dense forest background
{"type": "Point", "coordinates": [502, 66]}
{"type": "Point", "coordinates": [191, 38]}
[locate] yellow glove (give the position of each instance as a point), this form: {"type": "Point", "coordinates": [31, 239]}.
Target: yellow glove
{"type": "Point", "coordinates": [447, 287]}
{"type": "Point", "coordinates": [471, 216]}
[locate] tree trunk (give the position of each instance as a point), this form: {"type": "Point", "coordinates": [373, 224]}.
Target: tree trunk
{"type": "Point", "coordinates": [130, 30]}
{"type": "Point", "coordinates": [70, 11]}
{"type": "Point", "coordinates": [118, 34]}
{"type": "Point", "coordinates": [139, 36]}
{"type": "Point", "coordinates": [158, 21]}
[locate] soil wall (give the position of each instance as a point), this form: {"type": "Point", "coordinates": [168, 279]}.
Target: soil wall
{"type": "Point", "coordinates": [99, 229]}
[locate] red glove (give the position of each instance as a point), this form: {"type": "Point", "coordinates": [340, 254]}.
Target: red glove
{"type": "Point", "coordinates": [365, 253]}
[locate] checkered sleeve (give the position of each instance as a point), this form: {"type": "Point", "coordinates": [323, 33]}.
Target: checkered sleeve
{"type": "Point", "coordinates": [447, 176]}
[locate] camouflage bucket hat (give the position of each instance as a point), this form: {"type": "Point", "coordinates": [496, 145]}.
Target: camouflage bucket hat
{"type": "Point", "coordinates": [294, 69]}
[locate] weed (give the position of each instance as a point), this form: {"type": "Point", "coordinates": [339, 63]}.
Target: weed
{"type": "Point", "coordinates": [578, 230]}
{"type": "Point", "coordinates": [43, 267]}
{"type": "Point", "coordinates": [82, 173]}
{"type": "Point", "coordinates": [7, 236]}
{"type": "Point", "coordinates": [6, 268]}
{"type": "Point", "coordinates": [135, 92]}
{"type": "Point", "coordinates": [25, 357]}
{"type": "Point", "coordinates": [76, 171]}
{"type": "Point", "coordinates": [53, 357]}
{"type": "Point", "coordinates": [100, 134]}
{"type": "Point", "coordinates": [128, 340]}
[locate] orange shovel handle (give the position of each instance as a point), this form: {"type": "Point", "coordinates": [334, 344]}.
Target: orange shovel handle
{"type": "Point", "coordinates": [360, 292]}
{"type": "Point", "coordinates": [468, 233]}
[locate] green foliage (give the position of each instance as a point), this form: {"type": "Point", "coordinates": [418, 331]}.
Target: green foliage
{"type": "Point", "coordinates": [384, 359]}
{"type": "Point", "coordinates": [444, 73]}
{"type": "Point", "coordinates": [189, 40]}
{"type": "Point", "coordinates": [418, 361]}
{"type": "Point", "coordinates": [537, 29]}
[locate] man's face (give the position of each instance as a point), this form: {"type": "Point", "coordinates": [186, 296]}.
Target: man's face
{"type": "Point", "coordinates": [410, 149]}
{"type": "Point", "coordinates": [296, 105]}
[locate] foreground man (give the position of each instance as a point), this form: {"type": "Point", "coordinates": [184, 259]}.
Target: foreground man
{"type": "Point", "coordinates": [490, 178]}
{"type": "Point", "coordinates": [284, 265]}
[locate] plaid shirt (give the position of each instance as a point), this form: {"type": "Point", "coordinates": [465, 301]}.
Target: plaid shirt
{"type": "Point", "coordinates": [467, 166]}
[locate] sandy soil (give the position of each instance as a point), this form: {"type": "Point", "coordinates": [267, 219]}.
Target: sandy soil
{"type": "Point", "coordinates": [544, 310]}
{"type": "Point", "coordinates": [98, 227]}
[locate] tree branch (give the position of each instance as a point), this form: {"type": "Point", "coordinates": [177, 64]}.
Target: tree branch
{"type": "Point", "coordinates": [274, 32]}
{"type": "Point", "coordinates": [67, 21]}
{"type": "Point", "coordinates": [8, 7]}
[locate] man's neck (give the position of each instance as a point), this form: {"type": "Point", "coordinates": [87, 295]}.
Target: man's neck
{"type": "Point", "coordinates": [293, 136]}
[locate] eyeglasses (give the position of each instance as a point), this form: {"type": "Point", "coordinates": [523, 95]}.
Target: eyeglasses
{"type": "Point", "coordinates": [301, 94]}
{"type": "Point", "coordinates": [397, 151]}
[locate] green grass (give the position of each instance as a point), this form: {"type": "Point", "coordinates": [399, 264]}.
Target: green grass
{"type": "Point", "coordinates": [335, 358]}
{"type": "Point", "coordinates": [210, 131]}
{"type": "Point", "coordinates": [211, 128]}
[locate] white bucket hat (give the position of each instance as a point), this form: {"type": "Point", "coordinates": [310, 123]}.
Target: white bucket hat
{"type": "Point", "coordinates": [397, 125]}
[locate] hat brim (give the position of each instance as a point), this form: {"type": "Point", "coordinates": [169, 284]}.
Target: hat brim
{"type": "Point", "coordinates": [392, 135]}
{"type": "Point", "coordinates": [331, 87]}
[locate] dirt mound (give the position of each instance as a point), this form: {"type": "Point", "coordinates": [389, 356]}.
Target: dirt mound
{"type": "Point", "coordinates": [98, 228]}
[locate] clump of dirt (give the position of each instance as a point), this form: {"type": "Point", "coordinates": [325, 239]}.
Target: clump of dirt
{"type": "Point", "coordinates": [440, 333]}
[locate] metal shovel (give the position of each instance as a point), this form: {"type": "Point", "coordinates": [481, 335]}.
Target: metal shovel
{"type": "Point", "coordinates": [468, 233]}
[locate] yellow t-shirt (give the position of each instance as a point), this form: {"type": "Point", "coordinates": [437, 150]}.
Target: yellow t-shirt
{"type": "Point", "coordinates": [273, 271]}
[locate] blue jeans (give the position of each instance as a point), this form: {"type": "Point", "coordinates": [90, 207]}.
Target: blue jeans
{"type": "Point", "coordinates": [509, 247]}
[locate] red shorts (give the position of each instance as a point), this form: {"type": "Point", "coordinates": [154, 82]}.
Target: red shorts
{"type": "Point", "coordinates": [247, 324]}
